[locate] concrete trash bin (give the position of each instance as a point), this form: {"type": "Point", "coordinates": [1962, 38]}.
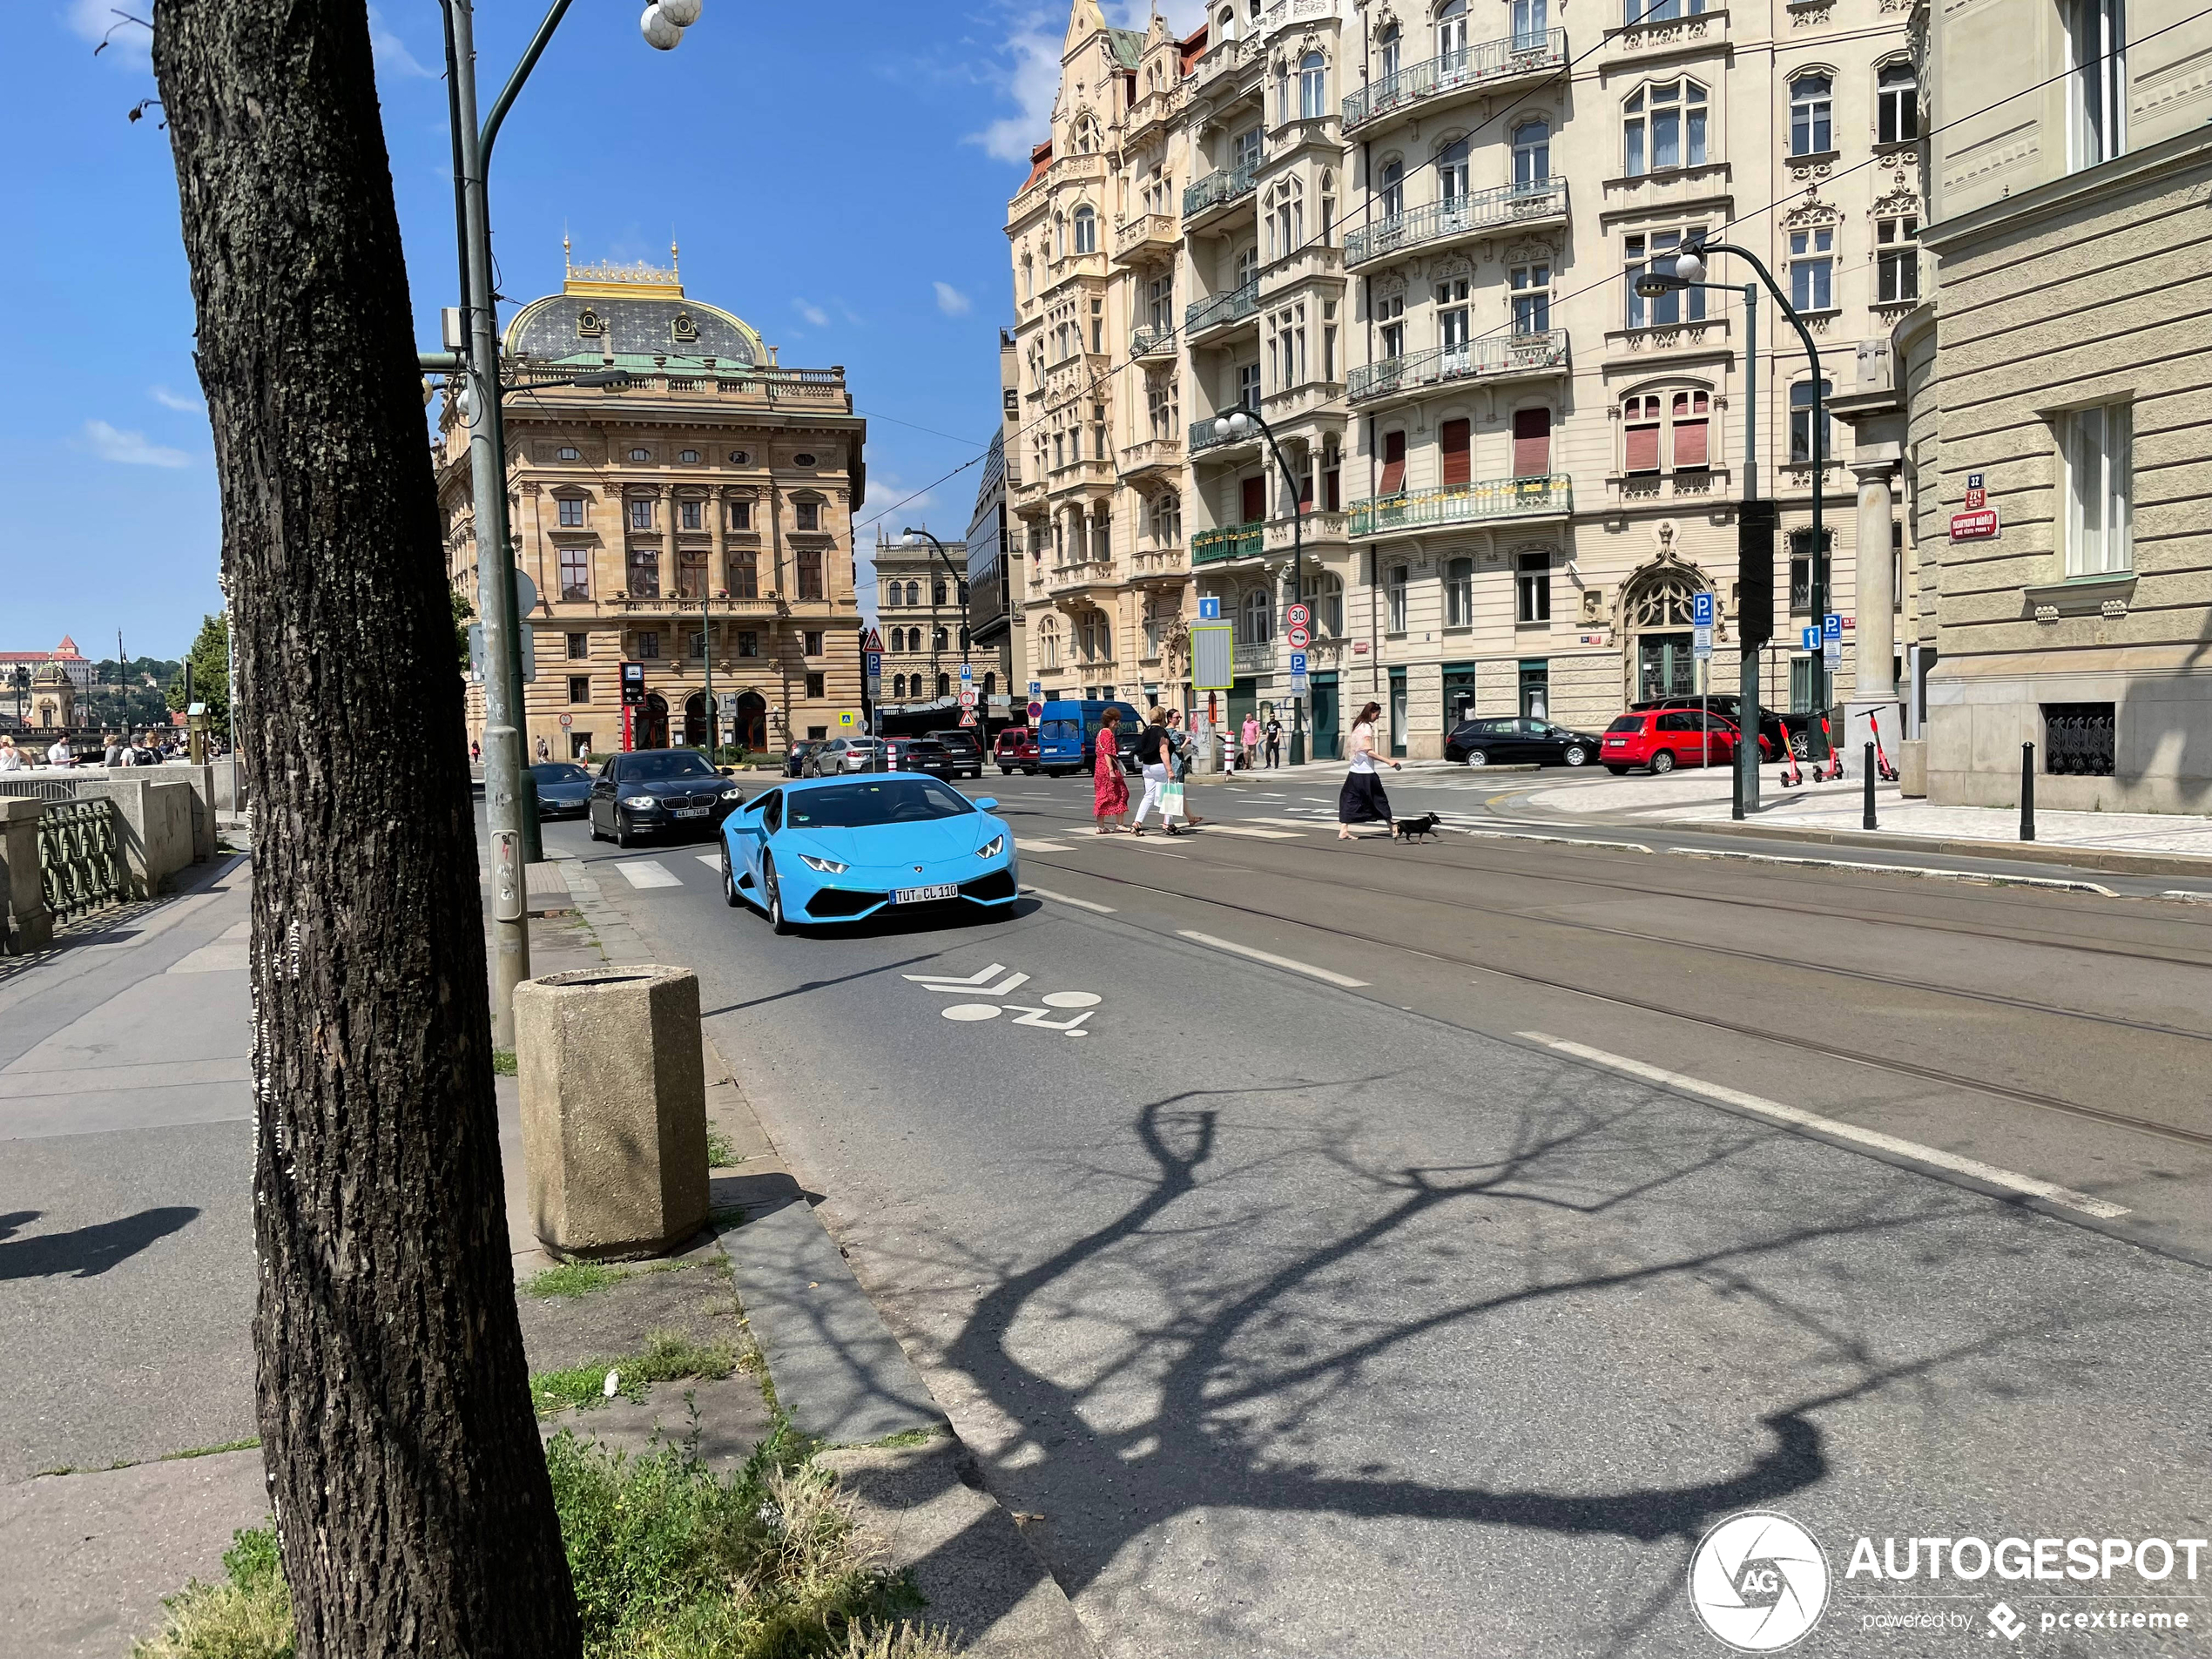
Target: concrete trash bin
{"type": "Point", "coordinates": [614, 1110]}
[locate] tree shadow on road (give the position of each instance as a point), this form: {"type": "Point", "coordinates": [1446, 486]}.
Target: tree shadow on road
{"type": "Point", "coordinates": [85, 1252]}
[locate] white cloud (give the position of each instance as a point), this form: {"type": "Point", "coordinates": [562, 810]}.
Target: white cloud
{"type": "Point", "coordinates": [1033, 82]}
{"type": "Point", "coordinates": [98, 20]}
{"type": "Point", "coordinates": [390, 51]}
{"type": "Point", "coordinates": [184, 403]}
{"type": "Point", "coordinates": [812, 312]}
{"type": "Point", "coordinates": [952, 301]}
{"type": "Point", "coordinates": [131, 448]}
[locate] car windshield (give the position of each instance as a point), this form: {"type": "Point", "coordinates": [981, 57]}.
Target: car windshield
{"type": "Point", "coordinates": [657, 768]}
{"type": "Point", "coordinates": [887, 801]}
{"type": "Point", "coordinates": [1628, 723]}
{"type": "Point", "coordinates": [559, 772]}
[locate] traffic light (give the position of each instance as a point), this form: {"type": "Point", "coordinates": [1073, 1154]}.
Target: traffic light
{"type": "Point", "coordinates": [633, 685]}
{"type": "Point", "coordinates": [1755, 533]}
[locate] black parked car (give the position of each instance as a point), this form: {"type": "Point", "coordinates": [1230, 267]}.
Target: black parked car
{"type": "Point", "coordinates": [659, 791]}
{"type": "Point", "coordinates": [964, 746]}
{"type": "Point", "coordinates": [795, 757]}
{"type": "Point", "coordinates": [564, 789]}
{"type": "Point", "coordinates": [1777, 729]}
{"type": "Point", "coordinates": [922, 754]}
{"type": "Point", "coordinates": [1508, 742]}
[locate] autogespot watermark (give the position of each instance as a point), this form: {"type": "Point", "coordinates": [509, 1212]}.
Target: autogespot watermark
{"type": "Point", "coordinates": [1760, 1583]}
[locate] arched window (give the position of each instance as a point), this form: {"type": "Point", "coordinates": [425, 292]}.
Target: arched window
{"type": "Point", "coordinates": [1394, 187]}
{"type": "Point", "coordinates": [1328, 206]}
{"type": "Point", "coordinates": [1312, 87]}
{"type": "Point", "coordinates": [1897, 96]}
{"type": "Point", "coordinates": [913, 593]}
{"type": "Point", "coordinates": [1459, 594]}
{"type": "Point", "coordinates": [1811, 131]}
{"type": "Point", "coordinates": [937, 590]}
{"type": "Point", "coordinates": [1667, 431]}
{"type": "Point", "coordinates": [1450, 35]}
{"type": "Point", "coordinates": [1392, 47]}
{"type": "Point", "coordinates": [899, 686]}
{"type": "Point", "coordinates": [1059, 236]}
{"type": "Point", "coordinates": [1663, 126]}
{"type": "Point", "coordinates": [939, 639]}
{"type": "Point", "coordinates": [1452, 172]}
{"type": "Point", "coordinates": [1086, 230]}
{"type": "Point", "coordinates": [1324, 595]}
{"type": "Point", "coordinates": [1282, 89]}
{"type": "Point", "coordinates": [1029, 278]}
{"type": "Point", "coordinates": [1255, 623]}
{"type": "Point", "coordinates": [1531, 154]}
{"type": "Point", "coordinates": [1285, 219]}
{"type": "Point", "coordinates": [944, 685]}
{"type": "Point", "coordinates": [1048, 643]}
{"type": "Point", "coordinates": [990, 686]}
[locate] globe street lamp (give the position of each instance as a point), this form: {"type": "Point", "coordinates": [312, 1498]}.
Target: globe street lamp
{"type": "Point", "coordinates": [1686, 270]}
{"type": "Point", "coordinates": [506, 805]}
{"type": "Point", "coordinates": [1237, 426]}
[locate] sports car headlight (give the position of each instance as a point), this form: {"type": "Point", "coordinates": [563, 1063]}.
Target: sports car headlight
{"type": "Point", "coordinates": [992, 848]}
{"type": "Point", "coordinates": [827, 867]}
{"type": "Point", "coordinates": [640, 803]}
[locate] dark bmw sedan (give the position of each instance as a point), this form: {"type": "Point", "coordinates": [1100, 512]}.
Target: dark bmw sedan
{"type": "Point", "coordinates": [1507, 742]}
{"type": "Point", "coordinates": [659, 791]}
{"type": "Point", "coordinates": [564, 788]}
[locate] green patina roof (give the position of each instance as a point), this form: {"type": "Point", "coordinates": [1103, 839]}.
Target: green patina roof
{"type": "Point", "coordinates": [1128, 45]}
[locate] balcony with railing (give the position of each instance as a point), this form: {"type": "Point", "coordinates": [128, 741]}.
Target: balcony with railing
{"type": "Point", "coordinates": [1148, 236]}
{"type": "Point", "coordinates": [1152, 339]}
{"type": "Point", "coordinates": [1220, 310]}
{"type": "Point", "coordinates": [1491, 358]}
{"type": "Point", "coordinates": [1208, 434]}
{"type": "Point", "coordinates": [1217, 190]}
{"type": "Point", "coordinates": [1150, 456]}
{"type": "Point", "coordinates": [1473, 68]}
{"type": "Point", "coordinates": [1541, 201]}
{"type": "Point", "coordinates": [1230, 542]}
{"type": "Point", "coordinates": [1490, 500]}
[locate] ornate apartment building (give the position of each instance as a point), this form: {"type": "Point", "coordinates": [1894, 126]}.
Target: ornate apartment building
{"type": "Point", "coordinates": [700, 518]}
{"type": "Point", "coordinates": [919, 615]}
{"type": "Point", "coordinates": [1405, 234]}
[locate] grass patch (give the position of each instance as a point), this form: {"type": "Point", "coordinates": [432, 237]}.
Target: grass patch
{"type": "Point", "coordinates": [667, 1357]}
{"type": "Point", "coordinates": [670, 1561]}
{"type": "Point", "coordinates": [503, 1063]}
{"type": "Point", "coordinates": [572, 1279]}
{"type": "Point", "coordinates": [212, 1451]}
{"type": "Point", "coordinates": [720, 1154]}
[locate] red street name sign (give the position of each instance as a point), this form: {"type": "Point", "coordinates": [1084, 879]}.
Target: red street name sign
{"type": "Point", "coordinates": [1980, 525]}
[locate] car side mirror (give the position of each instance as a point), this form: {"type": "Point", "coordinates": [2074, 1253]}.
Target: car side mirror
{"type": "Point", "coordinates": [986, 803]}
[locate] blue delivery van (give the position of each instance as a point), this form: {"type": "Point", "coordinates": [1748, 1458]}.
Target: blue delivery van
{"type": "Point", "coordinates": [1068, 735]}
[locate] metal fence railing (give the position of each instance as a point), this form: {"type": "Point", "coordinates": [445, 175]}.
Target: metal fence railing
{"type": "Point", "coordinates": [38, 788]}
{"type": "Point", "coordinates": [80, 858]}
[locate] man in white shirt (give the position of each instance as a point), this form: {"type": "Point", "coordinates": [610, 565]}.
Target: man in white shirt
{"type": "Point", "coordinates": [61, 754]}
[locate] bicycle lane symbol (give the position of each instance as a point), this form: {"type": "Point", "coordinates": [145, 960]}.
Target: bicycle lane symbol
{"type": "Point", "coordinates": [1041, 1016]}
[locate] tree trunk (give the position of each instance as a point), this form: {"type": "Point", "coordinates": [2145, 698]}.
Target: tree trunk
{"type": "Point", "coordinates": [403, 1458]}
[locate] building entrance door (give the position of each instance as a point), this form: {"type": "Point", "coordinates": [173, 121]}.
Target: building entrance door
{"type": "Point", "coordinates": [652, 723]}
{"type": "Point", "coordinates": [1325, 716]}
{"type": "Point", "coordinates": [1665, 666]}
{"type": "Point", "coordinates": [752, 720]}
{"type": "Point", "coordinates": [695, 732]}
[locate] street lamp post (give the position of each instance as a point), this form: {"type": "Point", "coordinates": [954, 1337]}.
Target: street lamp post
{"type": "Point", "coordinates": [504, 806]}
{"type": "Point", "coordinates": [1238, 425]}
{"type": "Point", "coordinates": [1687, 270]}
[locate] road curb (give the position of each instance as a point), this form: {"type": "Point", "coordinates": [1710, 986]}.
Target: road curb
{"type": "Point", "coordinates": [2109, 860]}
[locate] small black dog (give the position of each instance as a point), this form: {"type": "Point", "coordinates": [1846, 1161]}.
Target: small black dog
{"type": "Point", "coordinates": [1407, 829]}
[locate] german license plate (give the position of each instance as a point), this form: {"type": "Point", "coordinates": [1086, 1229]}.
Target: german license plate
{"type": "Point", "coordinates": [926, 895]}
{"type": "Point", "coordinates": [691, 812]}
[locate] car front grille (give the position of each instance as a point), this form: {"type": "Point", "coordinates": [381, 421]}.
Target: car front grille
{"type": "Point", "coordinates": [997, 885]}
{"type": "Point", "coordinates": [832, 902]}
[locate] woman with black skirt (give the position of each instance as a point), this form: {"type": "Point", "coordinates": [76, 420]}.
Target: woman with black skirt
{"type": "Point", "coordinates": [1362, 800]}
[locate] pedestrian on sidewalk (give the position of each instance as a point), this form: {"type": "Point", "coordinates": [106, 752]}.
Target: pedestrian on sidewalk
{"type": "Point", "coordinates": [1274, 743]}
{"type": "Point", "coordinates": [1157, 760]}
{"type": "Point", "coordinates": [1109, 790]}
{"type": "Point", "coordinates": [1362, 800]}
{"type": "Point", "coordinates": [10, 757]}
{"type": "Point", "coordinates": [1250, 735]}
{"type": "Point", "coordinates": [544, 752]}
{"type": "Point", "coordinates": [115, 749]}
{"type": "Point", "coordinates": [476, 753]}
{"type": "Point", "coordinates": [61, 754]}
{"type": "Point", "coordinates": [1182, 744]}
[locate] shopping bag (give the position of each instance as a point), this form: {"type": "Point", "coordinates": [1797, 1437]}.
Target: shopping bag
{"type": "Point", "coordinates": [1171, 801]}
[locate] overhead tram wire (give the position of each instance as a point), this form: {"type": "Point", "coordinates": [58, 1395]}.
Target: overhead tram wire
{"type": "Point", "coordinates": [1099, 380]}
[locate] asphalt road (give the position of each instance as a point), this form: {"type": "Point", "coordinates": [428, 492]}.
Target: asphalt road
{"type": "Point", "coordinates": [1410, 1249]}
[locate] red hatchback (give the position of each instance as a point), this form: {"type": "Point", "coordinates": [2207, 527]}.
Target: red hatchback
{"type": "Point", "coordinates": [1016, 751]}
{"type": "Point", "coordinates": [1665, 739]}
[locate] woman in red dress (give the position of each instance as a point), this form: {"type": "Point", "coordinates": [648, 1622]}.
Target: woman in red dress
{"type": "Point", "coordinates": [1109, 798]}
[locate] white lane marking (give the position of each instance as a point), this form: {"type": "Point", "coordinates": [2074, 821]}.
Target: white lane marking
{"type": "Point", "coordinates": [1269, 958]}
{"type": "Point", "coordinates": [1988, 1173]}
{"type": "Point", "coordinates": [970, 1011]}
{"type": "Point", "coordinates": [649, 872]}
{"type": "Point", "coordinates": [1071, 999]}
{"type": "Point", "coordinates": [1255, 834]}
{"type": "Point", "coordinates": [1988, 878]}
{"type": "Point", "coordinates": [1035, 1017]}
{"type": "Point", "coordinates": [1013, 982]}
{"type": "Point", "coordinates": [712, 861]}
{"type": "Point", "coordinates": [1029, 846]}
{"type": "Point", "coordinates": [1061, 898]}
{"type": "Point", "coordinates": [1136, 845]}
{"type": "Point", "coordinates": [2186, 896]}
{"type": "Point", "coordinates": [1561, 840]}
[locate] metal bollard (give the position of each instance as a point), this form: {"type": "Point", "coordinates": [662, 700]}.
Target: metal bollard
{"type": "Point", "coordinates": [1869, 820]}
{"type": "Point", "coordinates": [2027, 792]}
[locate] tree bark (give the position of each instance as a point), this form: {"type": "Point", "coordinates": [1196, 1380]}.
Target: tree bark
{"type": "Point", "coordinates": [403, 1459]}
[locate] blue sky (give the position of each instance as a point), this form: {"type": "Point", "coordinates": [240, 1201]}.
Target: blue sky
{"type": "Point", "coordinates": [842, 188]}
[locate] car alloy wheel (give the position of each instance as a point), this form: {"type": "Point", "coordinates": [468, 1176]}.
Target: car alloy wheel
{"type": "Point", "coordinates": [776, 918]}
{"type": "Point", "coordinates": [1662, 761]}
{"type": "Point", "coordinates": [624, 839]}
{"type": "Point", "coordinates": [730, 895]}
{"type": "Point", "coordinates": [1476, 757]}
{"type": "Point", "coordinates": [1576, 755]}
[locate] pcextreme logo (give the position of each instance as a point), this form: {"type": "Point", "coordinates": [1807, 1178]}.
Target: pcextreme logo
{"type": "Point", "coordinates": [1758, 1581]}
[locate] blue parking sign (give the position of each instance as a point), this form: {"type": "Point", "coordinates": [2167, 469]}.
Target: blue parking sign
{"type": "Point", "coordinates": [1298, 662]}
{"type": "Point", "coordinates": [1700, 611]}
{"type": "Point", "coordinates": [874, 669]}
{"type": "Point", "coordinates": [1833, 624]}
